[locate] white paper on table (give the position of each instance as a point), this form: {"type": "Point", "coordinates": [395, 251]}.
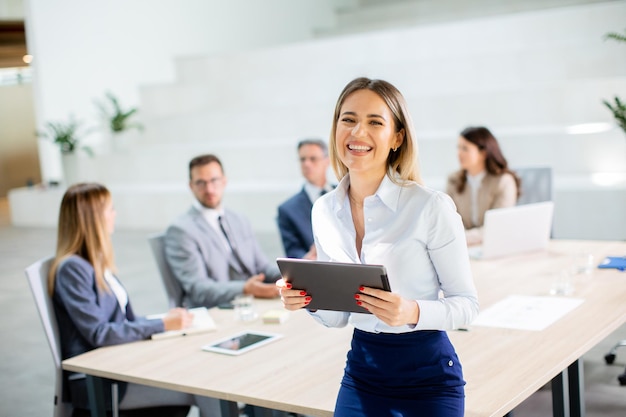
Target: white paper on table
{"type": "Point", "coordinates": [526, 312]}
{"type": "Point", "coordinates": [202, 322]}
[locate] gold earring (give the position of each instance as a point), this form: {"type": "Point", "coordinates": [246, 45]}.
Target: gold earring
{"type": "Point", "coordinates": [395, 149]}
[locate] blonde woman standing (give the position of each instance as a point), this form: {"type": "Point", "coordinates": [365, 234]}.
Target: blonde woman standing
{"type": "Point", "coordinates": [401, 361]}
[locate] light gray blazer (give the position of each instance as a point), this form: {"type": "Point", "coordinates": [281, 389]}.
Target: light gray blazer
{"type": "Point", "coordinates": [204, 267]}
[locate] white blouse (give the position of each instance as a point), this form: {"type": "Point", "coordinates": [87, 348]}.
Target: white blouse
{"type": "Point", "coordinates": [118, 290]}
{"type": "Point", "coordinates": [417, 234]}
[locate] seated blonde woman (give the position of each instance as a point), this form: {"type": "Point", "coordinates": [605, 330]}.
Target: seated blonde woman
{"type": "Point", "coordinates": [93, 308]}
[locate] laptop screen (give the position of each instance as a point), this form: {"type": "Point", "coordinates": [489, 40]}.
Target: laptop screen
{"type": "Point", "coordinates": [518, 229]}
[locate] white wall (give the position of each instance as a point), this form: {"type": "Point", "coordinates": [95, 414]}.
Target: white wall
{"type": "Point", "coordinates": [12, 9]}
{"type": "Point", "coordinates": [83, 49]}
{"type": "Point", "coordinates": [527, 76]}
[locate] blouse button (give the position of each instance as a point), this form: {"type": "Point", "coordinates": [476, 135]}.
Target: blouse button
{"type": "Point", "coordinates": [450, 363]}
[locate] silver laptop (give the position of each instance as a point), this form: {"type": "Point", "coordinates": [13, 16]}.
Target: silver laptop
{"type": "Point", "coordinates": [513, 230]}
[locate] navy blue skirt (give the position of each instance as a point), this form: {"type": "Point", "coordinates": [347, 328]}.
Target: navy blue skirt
{"type": "Point", "coordinates": [407, 374]}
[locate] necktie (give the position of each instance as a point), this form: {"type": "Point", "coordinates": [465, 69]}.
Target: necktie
{"type": "Point", "coordinates": [224, 226]}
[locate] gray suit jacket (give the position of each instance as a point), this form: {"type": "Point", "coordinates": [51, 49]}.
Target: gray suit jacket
{"type": "Point", "coordinates": [202, 265]}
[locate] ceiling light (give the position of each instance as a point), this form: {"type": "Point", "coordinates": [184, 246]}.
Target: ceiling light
{"type": "Point", "coordinates": [586, 128]}
{"type": "Point", "coordinates": [608, 179]}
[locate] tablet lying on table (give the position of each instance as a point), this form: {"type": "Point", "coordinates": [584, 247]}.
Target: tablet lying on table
{"type": "Point", "coordinates": [332, 285]}
{"type": "Point", "coordinates": [241, 342]}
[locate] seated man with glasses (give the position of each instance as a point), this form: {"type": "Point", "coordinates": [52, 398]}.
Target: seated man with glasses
{"type": "Point", "coordinates": [212, 250]}
{"type": "Point", "coordinates": [294, 215]}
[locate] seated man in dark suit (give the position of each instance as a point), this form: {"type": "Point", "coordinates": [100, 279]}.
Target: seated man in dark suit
{"type": "Point", "coordinates": [212, 250]}
{"type": "Point", "coordinates": [294, 215]}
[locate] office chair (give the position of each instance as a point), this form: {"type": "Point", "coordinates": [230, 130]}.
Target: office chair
{"type": "Point", "coordinates": [37, 276]}
{"type": "Point", "coordinates": [172, 287]}
{"type": "Point", "coordinates": [175, 299]}
{"type": "Point", "coordinates": [536, 184]}
{"type": "Point", "coordinates": [610, 358]}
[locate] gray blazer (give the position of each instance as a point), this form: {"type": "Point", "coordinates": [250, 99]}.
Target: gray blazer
{"type": "Point", "coordinates": [204, 267]}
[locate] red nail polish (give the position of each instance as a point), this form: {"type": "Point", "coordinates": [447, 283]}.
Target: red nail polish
{"type": "Point", "coordinates": [359, 303]}
{"type": "Point", "coordinates": [361, 288]}
{"type": "Point", "coordinates": [288, 285]}
{"type": "Point", "coordinates": [357, 296]}
{"type": "Point", "coordinates": [302, 292]}
{"type": "Point", "coordinates": [307, 299]}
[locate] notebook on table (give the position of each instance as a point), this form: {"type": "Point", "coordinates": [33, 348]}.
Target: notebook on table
{"type": "Point", "coordinates": [513, 230]}
{"type": "Point", "coordinates": [202, 322]}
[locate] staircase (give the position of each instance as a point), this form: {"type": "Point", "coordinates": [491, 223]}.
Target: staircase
{"type": "Point", "coordinates": [527, 76]}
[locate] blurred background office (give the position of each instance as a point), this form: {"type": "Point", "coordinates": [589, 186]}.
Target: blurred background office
{"type": "Point", "coordinates": [245, 79]}
{"type": "Point", "coordinates": [229, 78]}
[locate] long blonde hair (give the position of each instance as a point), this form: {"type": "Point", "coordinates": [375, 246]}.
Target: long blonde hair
{"type": "Point", "coordinates": [404, 161]}
{"type": "Point", "coordinates": [82, 231]}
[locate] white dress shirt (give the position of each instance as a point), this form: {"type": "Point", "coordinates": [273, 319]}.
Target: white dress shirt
{"type": "Point", "coordinates": [314, 192]}
{"type": "Point", "coordinates": [417, 234]}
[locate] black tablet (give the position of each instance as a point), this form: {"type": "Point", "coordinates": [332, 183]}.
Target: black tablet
{"type": "Point", "coordinates": [332, 285]}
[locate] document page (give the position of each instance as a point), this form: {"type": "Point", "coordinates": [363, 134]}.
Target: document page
{"type": "Point", "coordinates": [202, 322]}
{"type": "Point", "coordinates": [526, 312]}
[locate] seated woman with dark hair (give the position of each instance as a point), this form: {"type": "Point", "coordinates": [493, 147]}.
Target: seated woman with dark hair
{"type": "Point", "coordinates": [484, 181]}
{"type": "Point", "coordinates": [91, 305]}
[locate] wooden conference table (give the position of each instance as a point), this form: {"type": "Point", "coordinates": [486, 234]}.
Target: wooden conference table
{"type": "Point", "coordinates": [302, 371]}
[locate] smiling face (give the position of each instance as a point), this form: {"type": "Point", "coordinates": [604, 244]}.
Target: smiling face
{"type": "Point", "coordinates": [366, 133]}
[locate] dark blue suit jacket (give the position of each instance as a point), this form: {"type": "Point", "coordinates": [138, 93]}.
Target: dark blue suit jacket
{"type": "Point", "coordinates": [294, 222]}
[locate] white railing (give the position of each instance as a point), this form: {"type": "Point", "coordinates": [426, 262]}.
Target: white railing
{"type": "Point", "coordinates": [16, 76]}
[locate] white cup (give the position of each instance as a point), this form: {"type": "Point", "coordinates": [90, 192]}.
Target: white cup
{"type": "Point", "coordinates": [243, 306]}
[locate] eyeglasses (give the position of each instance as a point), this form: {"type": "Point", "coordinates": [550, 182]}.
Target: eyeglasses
{"type": "Point", "coordinates": [313, 159]}
{"type": "Point", "coordinates": [213, 181]}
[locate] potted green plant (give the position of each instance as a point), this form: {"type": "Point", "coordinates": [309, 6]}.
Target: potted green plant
{"type": "Point", "coordinates": [617, 107]}
{"type": "Point", "coordinates": [118, 120]}
{"type": "Point", "coordinates": [68, 136]}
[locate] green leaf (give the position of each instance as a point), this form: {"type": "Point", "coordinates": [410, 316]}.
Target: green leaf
{"type": "Point", "coordinates": [64, 134]}
{"type": "Point", "coordinates": [117, 117]}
